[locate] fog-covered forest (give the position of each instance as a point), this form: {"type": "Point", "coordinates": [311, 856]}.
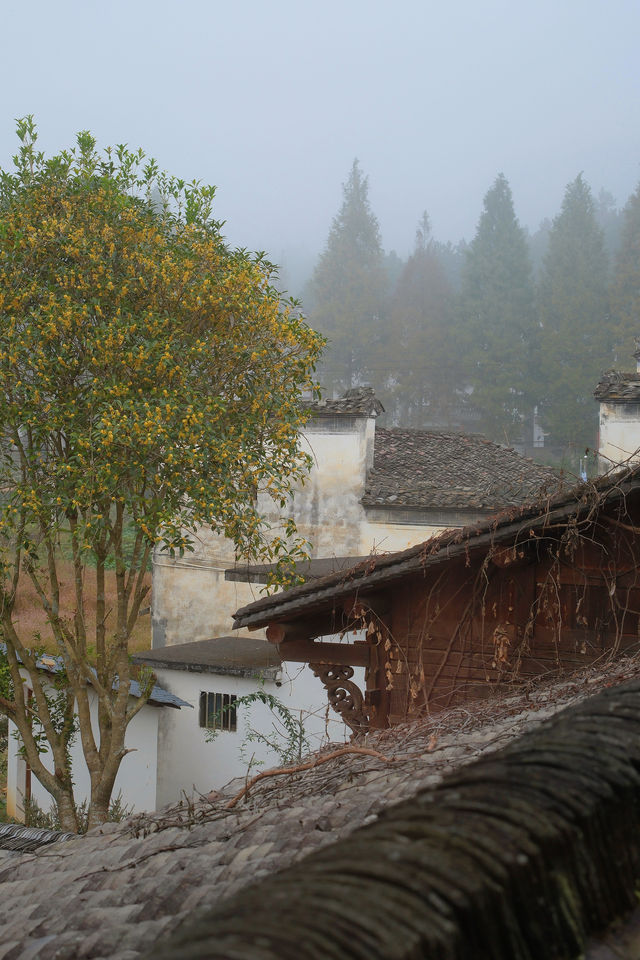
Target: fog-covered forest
{"type": "Point", "coordinates": [490, 335]}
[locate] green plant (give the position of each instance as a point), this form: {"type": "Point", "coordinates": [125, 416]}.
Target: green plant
{"type": "Point", "coordinates": [150, 385]}
{"type": "Point", "coordinates": [287, 737]}
{"type": "Point", "coordinates": [34, 816]}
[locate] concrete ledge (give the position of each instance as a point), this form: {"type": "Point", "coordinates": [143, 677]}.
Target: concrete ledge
{"type": "Point", "coordinates": [518, 856]}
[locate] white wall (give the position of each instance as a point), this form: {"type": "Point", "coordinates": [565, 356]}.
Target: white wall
{"type": "Point", "coordinates": [327, 507]}
{"type": "Point", "coordinates": [191, 598]}
{"type": "Point", "coordinates": [188, 762]}
{"type": "Point", "coordinates": [136, 777]}
{"type": "Point", "coordinates": [619, 435]}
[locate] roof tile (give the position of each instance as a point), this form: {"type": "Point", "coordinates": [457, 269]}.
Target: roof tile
{"type": "Point", "coordinates": [615, 385]}
{"type": "Point", "coordinates": [432, 469]}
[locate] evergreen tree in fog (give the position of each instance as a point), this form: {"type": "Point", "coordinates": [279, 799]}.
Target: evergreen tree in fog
{"type": "Point", "coordinates": [575, 330]}
{"type": "Point", "coordinates": [497, 317]}
{"type": "Point", "coordinates": [625, 288]}
{"type": "Point", "coordinates": [420, 349]}
{"type": "Point", "coordinates": [348, 287]}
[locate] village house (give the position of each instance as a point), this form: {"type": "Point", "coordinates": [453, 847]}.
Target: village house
{"type": "Point", "coordinates": [534, 591]}
{"type": "Point", "coordinates": [223, 679]}
{"type": "Point", "coordinates": [370, 490]}
{"type": "Point", "coordinates": [196, 732]}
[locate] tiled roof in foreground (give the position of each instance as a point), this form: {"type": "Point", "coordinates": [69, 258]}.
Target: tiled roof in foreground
{"type": "Point", "coordinates": [119, 891]}
{"type": "Point", "coordinates": [433, 469]}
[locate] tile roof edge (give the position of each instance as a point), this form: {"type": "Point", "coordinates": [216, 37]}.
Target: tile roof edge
{"type": "Point", "coordinates": [445, 545]}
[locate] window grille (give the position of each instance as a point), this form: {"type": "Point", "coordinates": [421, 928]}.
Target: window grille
{"type": "Point", "coordinates": [218, 711]}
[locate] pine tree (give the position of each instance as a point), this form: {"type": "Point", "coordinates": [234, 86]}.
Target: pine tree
{"type": "Point", "coordinates": [348, 287]}
{"type": "Point", "coordinates": [575, 335]}
{"type": "Point", "coordinates": [419, 347]}
{"type": "Point", "coordinates": [497, 313]}
{"type": "Point", "coordinates": [625, 288]}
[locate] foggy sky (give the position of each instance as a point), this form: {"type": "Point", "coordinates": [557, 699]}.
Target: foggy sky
{"type": "Point", "coordinates": [272, 101]}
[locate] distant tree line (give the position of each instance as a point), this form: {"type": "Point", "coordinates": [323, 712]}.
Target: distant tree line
{"type": "Point", "coordinates": [483, 336]}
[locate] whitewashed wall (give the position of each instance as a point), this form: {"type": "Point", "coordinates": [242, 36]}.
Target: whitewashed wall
{"type": "Point", "coordinates": [619, 434]}
{"type": "Point", "coordinates": [191, 598]}
{"type": "Point", "coordinates": [171, 754]}
{"type": "Point", "coordinates": [189, 763]}
{"type": "Point", "coordinates": [136, 778]}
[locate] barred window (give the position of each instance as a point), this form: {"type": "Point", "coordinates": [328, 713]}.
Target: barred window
{"type": "Point", "coordinates": [218, 711]}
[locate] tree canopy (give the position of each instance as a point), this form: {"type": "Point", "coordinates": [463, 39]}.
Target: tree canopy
{"type": "Point", "coordinates": [625, 288]}
{"type": "Point", "coordinates": [348, 287]}
{"type": "Point", "coordinates": [150, 382]}
{"type": "Point", "coordinates": [497, 315]}
{"type": "Point", "coordinates": [575, 331]}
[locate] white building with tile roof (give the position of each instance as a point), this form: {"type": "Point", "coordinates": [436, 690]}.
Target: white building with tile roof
{"type": "Point", "coordinates": [370, 490]}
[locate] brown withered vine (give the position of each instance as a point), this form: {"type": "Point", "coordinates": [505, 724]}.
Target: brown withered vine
{"type": "Point", "coordinates": [544, 591]}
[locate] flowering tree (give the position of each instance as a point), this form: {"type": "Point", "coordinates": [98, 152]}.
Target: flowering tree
{"type": "Point", "coordinates": [150, 383]}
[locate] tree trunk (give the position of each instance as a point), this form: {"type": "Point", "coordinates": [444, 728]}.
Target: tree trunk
{"type": "Point", "coordinates": [67, 812]}
{"type": "Point", "coordinates": [98, 811]}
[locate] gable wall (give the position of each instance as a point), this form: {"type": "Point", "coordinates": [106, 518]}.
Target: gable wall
{"type": "Point", "coordinates": [191, 599]}
{"type": "Point", "coordinates": [619, 434]}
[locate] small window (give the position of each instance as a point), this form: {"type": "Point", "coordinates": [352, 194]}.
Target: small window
{"type": "Point", "coordinates": [218, 711]}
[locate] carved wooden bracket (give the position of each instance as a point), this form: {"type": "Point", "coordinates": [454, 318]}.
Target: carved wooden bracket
{"type": "Point", "coordinates": [344, 696]}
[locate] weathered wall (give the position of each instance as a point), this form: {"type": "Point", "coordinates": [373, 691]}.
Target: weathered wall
{"type": "Point", "coordinates": [327, 508]}
{"type": "Point", "coordinates": [619, 436]}
{"type": "Point", "coordinates": [191, 598]}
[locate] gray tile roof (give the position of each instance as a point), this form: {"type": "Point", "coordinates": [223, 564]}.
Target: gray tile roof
{"type": "Point", "coordinates": [52, 664]}
{"type": "Point", "coordinates": [357, 402]}
{"type": "Point", "coordinates": [117, 892]}
{"type": "Point", "coordinates": [380, 569]}
{"type": "Point", "coordinates": [617, 386]}
{"type": "Point", "coordinates": [159, 696]}
{"type": "Point", "coordinates": [232, 656]}
{"type": "Point", "coordinates": [311, 569]}
{"type": "Point", "coordinates": [433, 469]}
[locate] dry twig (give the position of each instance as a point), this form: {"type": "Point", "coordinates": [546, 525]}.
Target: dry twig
{"type": "Point", "coordinates": [299, 767]}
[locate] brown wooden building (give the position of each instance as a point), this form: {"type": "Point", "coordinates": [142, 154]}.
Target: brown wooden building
{"type": "Point", "coordinates": [536, 591]}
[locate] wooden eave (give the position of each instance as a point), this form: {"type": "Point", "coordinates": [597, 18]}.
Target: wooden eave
{"type": "Point", "coordinates": [321, 597]}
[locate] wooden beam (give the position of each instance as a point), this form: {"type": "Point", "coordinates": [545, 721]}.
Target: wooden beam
{"type": "Point", "coordinates": [305, 651]}
{"type": "Point", "coordinates": [287, 633]}
{"type": "Point", "coordinates": [306, 627]}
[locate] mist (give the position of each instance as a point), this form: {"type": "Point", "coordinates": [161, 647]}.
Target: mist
{"type": "Point", "coordinates": [272, 102]}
